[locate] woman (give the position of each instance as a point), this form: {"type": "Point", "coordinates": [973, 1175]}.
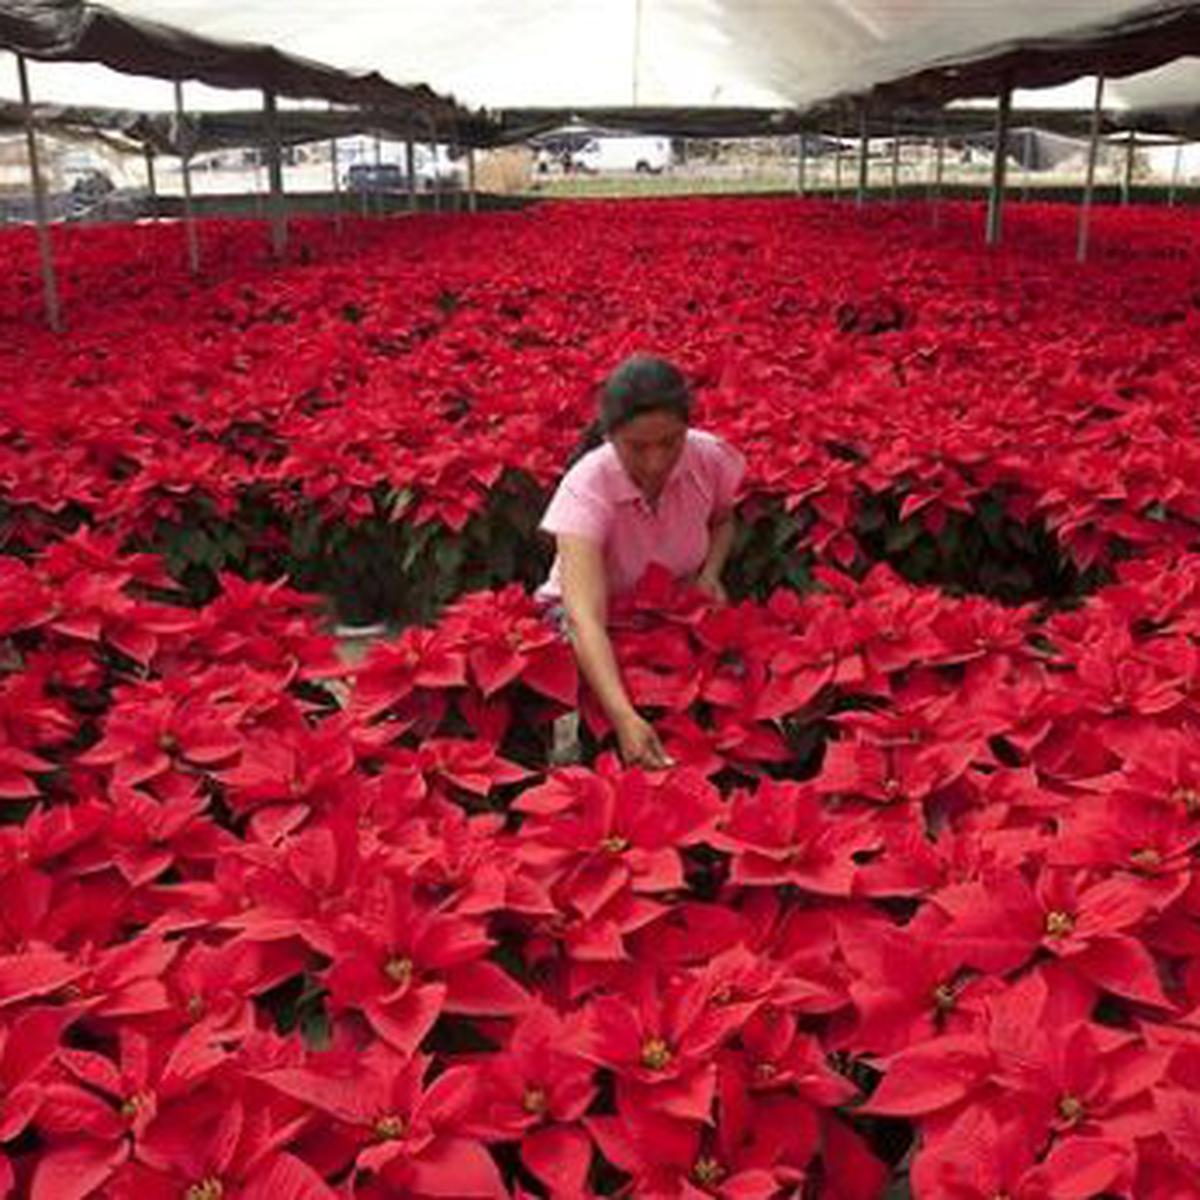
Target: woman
{"type": "Point", "coordinates": [653, 491]}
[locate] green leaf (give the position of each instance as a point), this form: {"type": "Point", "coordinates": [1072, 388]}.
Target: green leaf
{"type": "Point", "coordinates": [305, 537]}
{"type": "Point", "coordinates": [399, 501]}
{"type": "Point", "coordinates": [448, 555]}
{"type": "Point", "coordinates": [900, 537]}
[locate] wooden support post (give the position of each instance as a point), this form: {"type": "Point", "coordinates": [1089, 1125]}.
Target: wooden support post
{"type": "Point", "coordinates": [433, 161]}
{"type": "Point", "coordinates": [45, 249]}
{"type": "Point", "coordinates": [410, 166]}
{"type": "Point", "coordinates": [336, 180]}
{"type": "Point", "coordinates": [895, 159]}
{"type": "Point", "coordinates": [939, 168]}
{"type": "Point", "coordinates": [378, 192]}
{"type": "Point", "coordinates": [864, 142]}
{"type": "Point", "coordinates": [995, 212]}
{"type": "Point", "coordinates": [1089, 185]}
{"type": "Point", "coordinates": [185, 157]}
{"type": "Point", "coordinates": [151, 180]}
{"type": "Point", "coordinates": [1175, 171]}
{"type": "Point", "coordinates": [276, 205]}
{"type": "Point", "coordinates": [837, 158]}
{"type": "Point", "coordinates": [1127, 175]}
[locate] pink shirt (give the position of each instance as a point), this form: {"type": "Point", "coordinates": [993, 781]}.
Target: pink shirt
{"type": "Point", "coordinates": [597, 500]}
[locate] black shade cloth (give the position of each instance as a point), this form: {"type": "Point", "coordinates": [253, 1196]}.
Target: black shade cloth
{"type": "Point", "coordinates": [1146, 39]}
{"type": "Point", "coordinates": [75, 31]}
{"type": "Point", "coordinates": [207, 131]}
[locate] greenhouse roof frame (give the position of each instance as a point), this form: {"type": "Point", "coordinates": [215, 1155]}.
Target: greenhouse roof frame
{"type": "Point", "coordinates": [80, 31]}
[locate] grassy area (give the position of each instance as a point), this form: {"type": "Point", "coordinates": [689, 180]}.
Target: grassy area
{"type": "Point", "coordinates": [676, 184]}
{"type": "Point", "coordinates": [1050, 185]}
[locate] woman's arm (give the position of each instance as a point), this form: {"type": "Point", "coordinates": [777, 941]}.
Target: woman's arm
{"type": "Point", "coordinates": [720, 543]}
{"type": "Point", "coordinates": [585, 597]}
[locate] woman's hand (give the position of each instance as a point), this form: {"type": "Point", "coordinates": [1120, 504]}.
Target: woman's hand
{"type": "Point", "coordinates": [711, 586]}
{"type": "Point", "coordinates": [640, 746]}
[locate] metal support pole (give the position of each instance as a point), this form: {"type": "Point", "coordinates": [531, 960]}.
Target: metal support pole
{"type": "Point", "coordinates": [151, 180]}
{"type": "Point", "coordinates": [801, 164]}
{"type": "Point", "coordinates": [999, 165]}
{"type": "Point", "coordinates": [410, 166]}
{"type": "Point", "coordinates": [364, 192]}
{"type": "Point", "coordinates": [1089, 185]}
{"type": "Point", "coordinates": [1127, 177]}
{"type": "Point", "coordinates": [378, 189]}
{"type": "Point", "coordinates": [939, 169]}
{"type": "Point", "coordinates": [472, 196]}
{"type": "Point", "coordinates": [456, 193]}
{"type": "Point", "coordinates": [185, 156]}
{"type": "Point", "coordinates": [45, 250]}
{"type": "Point", "coordinates": [864, 142]}
{"type": "Point", "coordinates": [275, 202]}
{"type": "Point", "coordinates": [837, 158]}
{"type": "Point", "coordinates": [337, 183]}
{"type": "Point", "coordinates": [433, 157]}
{"type": "Point", "coordinates": [895, 159]}
{"type": "Point", "coordinates": [1175, 171]}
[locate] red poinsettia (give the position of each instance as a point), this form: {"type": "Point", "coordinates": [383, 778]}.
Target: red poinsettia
{"type": "Point", "coordinates": [536, 1091]}
{"type": "Point", "coordinates": [401, 963]}
{"type": "Point", "coordinates": [590, 837]}
{"type": "Point", "coordinates": [392, 1120]}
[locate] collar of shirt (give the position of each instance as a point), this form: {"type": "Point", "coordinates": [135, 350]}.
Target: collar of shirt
{"type": "Point", "coordinates": [625, 491]}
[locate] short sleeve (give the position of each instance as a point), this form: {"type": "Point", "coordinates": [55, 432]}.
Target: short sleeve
{"type": "Point", "coordinates": [729, 469]}
{"type": "Point", "coordinates": [577, 508]}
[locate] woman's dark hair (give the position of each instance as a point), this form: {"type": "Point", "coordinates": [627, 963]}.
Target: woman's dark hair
{"type": "Point", "coordinates": [642, 384]}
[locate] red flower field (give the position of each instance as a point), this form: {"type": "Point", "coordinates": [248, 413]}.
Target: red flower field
{"type": "Point", "coordinates": [916, 913]}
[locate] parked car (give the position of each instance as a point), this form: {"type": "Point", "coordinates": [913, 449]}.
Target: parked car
{"type": "Point", "coordinates": [646, 155]}
{"type": "Point", "coordinates": [441, 171]}
{"type": "Point", "coordinates": [91, 185]}
{"type": "Point", "coordinates": [375, 177]}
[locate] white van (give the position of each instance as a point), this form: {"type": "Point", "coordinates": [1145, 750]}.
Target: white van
{"type": "Point", "coordinates": [646, 155]}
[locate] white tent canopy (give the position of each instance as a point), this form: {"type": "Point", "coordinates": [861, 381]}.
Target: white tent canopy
{"type": "Point", "coordinates": [1176, 85]}
{"type": "Point", "coordinates": [597, 53]}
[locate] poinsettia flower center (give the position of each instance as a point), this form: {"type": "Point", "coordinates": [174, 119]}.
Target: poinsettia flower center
{"type": "Point", "coordinates": [1147, 859]}
{"type": "Point", "coordinates": [389, 1127]}
{"type": "Point", "coordinates": [733, 662]}
{"type": "Point", "coordinates": [707, 1172]}
{"type": "Point", "coordinates": [615, 844]}
{"type": "Point", "coordinates": [944, 997]}
{"type": "Point", "coordinates": [1070, 1109]}
{"type": "Point", "coordinates": [535, 1101]}
{"type": "Point", "coordinates": [207, 1189]}
{"type": "Point", "coordinates": [1059, 924]}
{"type": "Point", "coordinates": [195, 1007]}
{"type": "Point", "coordinates": [656, 1054]}
{"type": "Point", "coordinates": [891, 787]}
{"type": "Point", "coordinates": [399, 969]}
{"type": "Point", "coordinates": [134, 1105]}
{"type": "Point", "coordinates": [764, 1072]}
{"type": "Point", "coordinates": [168, 743]}
{"type": "Point", "coordinates": [1189, 798]}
